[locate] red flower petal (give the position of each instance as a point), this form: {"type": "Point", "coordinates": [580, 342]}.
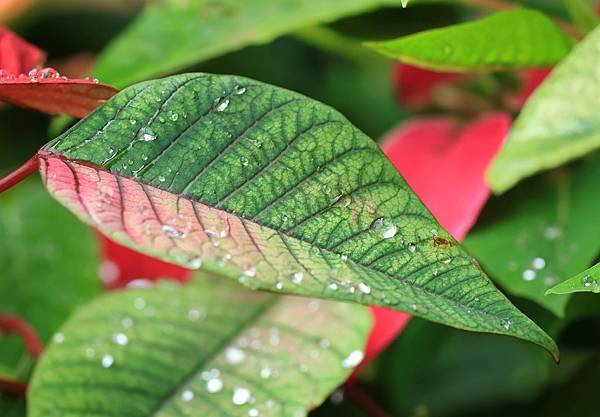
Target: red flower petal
{"type": "Point", "coordinates": [122, 265]}
{"type": "Point", "coordinates": [415, 86]}
{"type": "Point", "coordinates": [45, 90]}
{"type": "Point", "coordinates": [17, 56]}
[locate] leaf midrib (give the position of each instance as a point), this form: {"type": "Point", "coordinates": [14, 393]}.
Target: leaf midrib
{"type": "Point", "coordinates": [212, 355]}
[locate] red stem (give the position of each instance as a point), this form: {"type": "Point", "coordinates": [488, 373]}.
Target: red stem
{"type": "Point", "coordinates": [14, 324]}
{"type": "Point", "coordinates": [365, 402]}
{"type": "Point", "coordinates": [19, 174]}
{"type": "Point", "coordinates": [13, 387]}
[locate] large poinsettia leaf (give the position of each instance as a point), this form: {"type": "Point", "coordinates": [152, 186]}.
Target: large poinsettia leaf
{"type": "Point", "coordinates": [17, 56]}
{"type": "Point", "coordinates": [274, 189]}
{"type": "Point", "coordinates": [208, 348]}
{"type": "Point", "coordinates": [47, 91]}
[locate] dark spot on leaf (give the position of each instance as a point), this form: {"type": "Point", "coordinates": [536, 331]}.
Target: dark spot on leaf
{"type": "Point", "coordinates": [440, 242]}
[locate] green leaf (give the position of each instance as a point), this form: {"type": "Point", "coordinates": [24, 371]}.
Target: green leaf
{"type": "Point", "coordinates": [49, 266]}
{"type": "Point", "coordinates": [271, 188]}
{"type": "Point", "coordinates": [512, 39]}
{"type": "Point", "coordinates": [208, 348]}
{"type": "Point", "coordinates": [172, 35]}
{"type": "Point", "coordinates": [582, 13]}
{"type": "Point", "coordinates": [586, 281]}
{"type": "Point", "coordinates": [558, 123]}
{"type": "Point", "coordinates": [541, 233]}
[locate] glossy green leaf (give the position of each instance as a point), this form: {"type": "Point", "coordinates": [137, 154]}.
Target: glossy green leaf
{"type": "Point", "coordinates": [542, 233]}
{"type": "Point", "coordinates": [512, 39]}
{"type": "Point", "coordinates": [210, 348]}
{"type": "Point", "coordinates": [558, 123]}
{"type": "Point", "coordinates": [586, 281]}
{"type": "Point", "coordinates": [271, 188]}
{"type": "Point", "coordinates": [172, 35]}
{"type": "Point", "coordinates": [48, 266]}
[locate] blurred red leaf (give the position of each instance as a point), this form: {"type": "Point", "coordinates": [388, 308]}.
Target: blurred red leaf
{"type": "Point", "coordinates": [445, 166]}
{"type": "Point", "coordinates": [415, 86]}
{"type": "Point", "coordinates": [530, 80]}
{"type": "Point", "coordinates": [45, 90]}
{"type": "Point", "coordinates": [17, 56]}
{"type": "Point", "coordinates": [122, 265]}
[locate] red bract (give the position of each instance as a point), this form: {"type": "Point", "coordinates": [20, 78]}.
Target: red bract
{"type": "Point", "coordinates": [44, 89]}
{"type": "Point", "coordinates": [17, 56]}
{"type": "Point", "coordinates": [122, 265]}
{"type": "Point", "coordinates": [415, 86]}
{"type": "Point", "coordinates": [445, 166]}
{"type": "Point", "coordinates": [47, 91]}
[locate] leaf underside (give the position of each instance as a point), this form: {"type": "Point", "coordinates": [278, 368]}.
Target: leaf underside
{"type": "Point", "coordinates": [558, 123]}
{"type": "Point", "coordinates": [264, 185]}
{"type": "Point", "coordinates": [507, 40]}
{"type": "Point", "coordinates": [210, 348]}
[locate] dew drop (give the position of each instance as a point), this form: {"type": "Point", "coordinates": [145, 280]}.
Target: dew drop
{"type": "Point", "coordinates": [223, 105]}
{"type": "Point", "coordinates": [195, 263]}
{"type": "Point", "coordinates": [253, 412]}
{"type": "Point", "coordinates": [552, 232]}
{"type": "Point", "coordinates": [59, 338]}
{"type": "Point", "coordinates": [146, 135]}
{"type": "Point", "coordinates": [214, 385]}
{"type": "Point", "coordinates": [364, 288]}
{"type": "Point", "coordinates": [587, 281]}
{"type": "Point", "coordinates": [297, 277]}
{"type": "Point", "coordinates": [173, 116]}
{"type": "Point", "coordinates": [161, 178]}
{"type": "Point", "coordinates": [384, 227]}
{"type": "Point", "coordinates": [265, 372]}
{"type": "Point", "coordinates": [120, 339]}
{"type": "Point", "coordinates": [244, 161]}
{"type": "Point", "coordinates": [529, 275]}
{"type": "Point", "coordinates": [538, 263]}
{"type": "Point", "coordinates": [279, 285]}
{"type": "Point", "coordinates": [239, 90]}
{"type": "Point", "coordinates": [353, 359]}
{"type": "Point", "coordinates": [412, 247]}
{"type": "Point", "coordinates": [187, 395]}
{"type": "Point", "coordinates": [107, 361]}
{"type": "Point", "coordinates": [195, 314]}
{"type": "Point", "coordinates": [139, 303]}
{"type": "Point", "coordinates": [240, 396]}
{"type": "Point", "coordinates": [506, 323]}
{"type": "Point", "coordinates": [234, 355]}
{"type": "Point", "coordinates": [171, 231]}
{"type": "Point", "coordinates": [333, 286]}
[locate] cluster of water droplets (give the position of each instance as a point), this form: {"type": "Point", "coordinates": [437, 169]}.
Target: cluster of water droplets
{"type": "Point", "coordinates": [591, 283]}
{"type": "Point", "coordinates": [36, 75]}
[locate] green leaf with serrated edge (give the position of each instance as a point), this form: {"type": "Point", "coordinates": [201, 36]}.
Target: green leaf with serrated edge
{"type": "Point", "coordinates": [559, 121]}
{"type": "Point", "coordinates": [541, 233]}
{"type": "Point", "coordinates": [173, 35]}
{"type": "Point", "coordinates": [507, 40]}
{"type": "Point", "coordinates": [207, 348]}
{"type": "Point", "coordinates": [587, 281]}
{"type": "Point", "coordinates": [274, 189]}
{"type": "Point", "coordinates": [48, 266]}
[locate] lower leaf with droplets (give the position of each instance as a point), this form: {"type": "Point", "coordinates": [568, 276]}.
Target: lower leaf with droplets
{"type": "Point", "coordinates": [273, 189]}
{"type": "Point", "coordinates": [207, 348]}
